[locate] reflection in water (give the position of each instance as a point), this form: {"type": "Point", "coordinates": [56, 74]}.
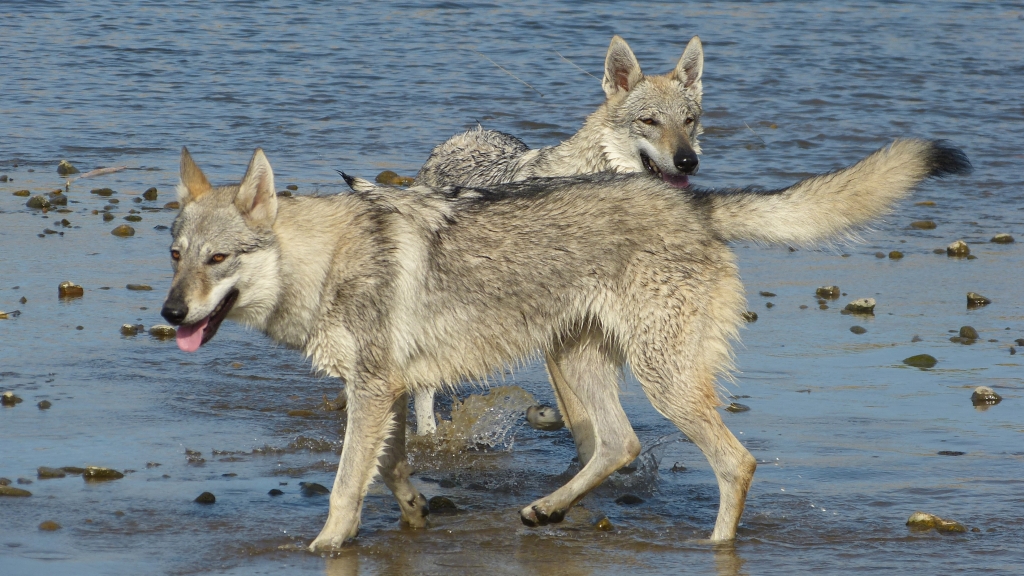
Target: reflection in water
{"type": "Point", "coordinates": [728, 561]}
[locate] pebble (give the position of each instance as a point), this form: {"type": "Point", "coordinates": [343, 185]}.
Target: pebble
{"type": "Point", "coordinates": [950, 453]}
{"type": "Point", "coordinates": [975, 300]}
{"type": "Point", "coordinates": [123, 231]}
{"type": "Point", "coordinates": [102, 192]}
{"type": "Point", "coordinates": [629, 500]}
{"type": "Point", "coordinates": [879, 254]}
{"type": "Point", "coordinates": [750, 316]}
{"type": "Point", "coordinates": [9, 399]}
{"type": "Point", "coordinates": [39, 202]}
{"type": "Point", "coordinates": [162, 332]}
{"type": "Point", "coordinates": [392, 179]}
{"type": "Point", "coordinates": [895, 255]}
{"type": "Point", "coordinates": [925, 521]}
{"type": "Point", "coordinates": [275, 492]}
{"type": "Point", "coordinates": [206, 498]}
{"type": "Point", "coordinates": [133, 218]}
{"type": "Point", "coordinates": [604, 525]}
{"type": "Point", "coordinates": [49, 526]}
{"type": "Point", "coordinates": [544, 418]}
{"type": "Point", "coordinates": [139, 287]}
{"type": "Point", "coordinates": [441, 505]}
{"type": "Point", "coordinates": [65, 168]}
{"type": "Point", "coordinates": [131, 329]}
{"type": "Point", "coordinates": [861, 306]}
{"type": "Point", "coordinates": [69, 289]}
{"type": "Point", "coordinates": [100, 474]}
{"type": "Point", "coordinates": [150, 194]}
{"type": "Point", "coordinates": [107, 216]}
{"type": "Point", "coordinates": [1002, 238]}
{"type": "Point", "coordinates": [968, 332]}
{"type": "Point", "coordinates": [47, 472]}
{"type": "Point", "coordinates": [985, 396]}
{"type": "Point", "coordinates": [736, 407]}
{"type": "Point", "coordinates": [921, 361]}
{"type": "Point", "coordinates": [958, 249]}
{"type": "Point", "coordinates": [14, 492]}
{"type": "Point", "coordinates": [172, 205]}
{"type": "Point", "coordinates": [924, 203]}
{"type": "Point", "coordinates": [767, 294]}
{"type": "Point", "coordinates": [923, 225]}
{"type": "Point", "coordinates": [292, 187]}
{"type": "Point", "coordinates": [44, 405]}
{"type": "Point", "coordinates": [23, 193]}
{"type": "Point", "coordinates": [858, 329]}
{"type": "Point", "coordinates": [313, 489]}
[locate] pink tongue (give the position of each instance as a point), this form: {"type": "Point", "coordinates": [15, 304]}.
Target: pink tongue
{"type": "Point", "coordinates": [680, 181]}
{"type": "Point", "coordinates": [190, 337]}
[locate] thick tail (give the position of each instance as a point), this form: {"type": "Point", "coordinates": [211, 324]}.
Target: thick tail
{"type": "Point", "coordinates": [834, 205]}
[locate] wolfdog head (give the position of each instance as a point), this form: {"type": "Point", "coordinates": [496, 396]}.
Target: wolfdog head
{"type": "Point", "coordinates": [653, 121]}
{"type": "Point", "coordinates": [223, 252]}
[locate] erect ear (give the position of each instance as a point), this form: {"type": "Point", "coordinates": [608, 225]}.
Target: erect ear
{"type": "Point", "coordinates": [621, 70]}
{"type": "Point", "coordinates": [257, 199]}
{"type": "Point", "coordinates": [691, 66]}
{"type": "Point", "coordinates": [193, 183]}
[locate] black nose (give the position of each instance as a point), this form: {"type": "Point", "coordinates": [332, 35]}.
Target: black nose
{"type": "Point", "coordinates": [174, 312]}
{"type": "Point", "coordinates": [686, 161]}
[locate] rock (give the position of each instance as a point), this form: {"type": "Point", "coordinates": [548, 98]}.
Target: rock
{"type": "Point", "coordinates": [275, 492]}
{"type": "Point", "coordinates": [858, 329]}
{"type": "Point", "coordinates": [206, 498]}
{"type": "Point", "coordinates": [924, 203]}
{"type": "Point", "coordinates": [123, 231]}
{"type": "Point", "coordinates": [975, 300]}
{"type": "Point", "coordinates": [313, 489]}
{"type": "Point", "coordinates": [3, 178]}
{"type": "Point", "coordinates": [879, 254]}
{"type": "Point", "coordinates": [629, 500]}
{"type": "Point", "coordinates": [737, 407]}
{"type": "Point", "coordinates": [828, 293]}
{"type": "Point", "coordinates": [767, 294]}
{"type": "Point", "coordinates": [861, 306]}
{"type": "Point", "coordinates": [14, 492]}
{"type": "Point", "coordinates": [749, 316]}
{"type": "Point", "coordinates": [292, 187]}
{"type": "Point", "coordinates": [39, 202]}
{"type": "Point", "coordinates": [678, 467]}
{"type": "Point", "coordinates": [769, 305]}
{"type": "Point", "coordinates": [73, 470]}
{"type": "Point", "coordinates": [391, 179]}
{"type": "Point", "coordinates": [604, 525]}
{"type": "Point", "coordinates": [150, 194]}
{"type": "Point", "coordinates": [5, 481]}
{"type": "Point", "coordinates": [985, 396]}
{"type": "Point", "coordinates": [44, 405]}
{"type": "Point", "coordinates": [23, 193]}
{"type": "Point", "coordinates": [46, 472]}
{"type": "Point", "coordinates": [107, 216]}
{"type": "Point", "coordinates": [958, 249]}
{"type": "Point", "coordinates": [968, 332]}
{"type": "Point", "coordinates": [102, 192]}
{"type": "Point", "coordinates": [301, 413]}
{"type": "Point", "coordinates": [950, 453]}
{"type": "Point", "coordinates": [441, 505]}
{"type": "Point", "coordinates": [925, 521]}
{"type": "Point", "coordinates": [895, 255]}
{"type": "Point", "coordinates": [340, 402]}
{"type": "Point", "coordinates": [285, 193]}
{"type": "Point", "coordinates": [9, 399]}
{"type": "Point", "coordinates": [49, 526]}
{"type": "Point", "coordinates": [1019, 341]}
{"type": "Point", "coordinates": [923, 225]}
{"type": "Point", "coordinates": [131, 329]}
{"type": "Point", "coordinates": [172, 205]}
{"type": "Point", "coordinates": [139, 287]}
{"type": "Point", "coordinates": [1002, 239]}
{"type": "Point", "coordinates": [65, 168]}
{"type": "Point", "coordinates": [133, 218]}
{"type": "Point", "coordinates": [99, 474]}
{"type": "Point", "coordinates": [24, 481]}
{"type": "Point", "coordinates": [162, 332]}
{"type": "Point", "coordinates": [68, 289]}
{"type": "Point", "coordinates": [921, 361]}
{"type": "Point", "coordinates": [544, 418]}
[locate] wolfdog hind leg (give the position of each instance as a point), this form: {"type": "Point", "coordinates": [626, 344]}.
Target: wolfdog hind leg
{"type": "Point", "coordinates": [425, 422]}
{"type": "Point", "coordinates": [395, 470]}
{"type": "Point", "coordinates": [370, 422]}
{"type": "Point", "coordinates": [586, 378]}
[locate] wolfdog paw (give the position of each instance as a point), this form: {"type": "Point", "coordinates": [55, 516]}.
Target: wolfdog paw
{"type": "Point", "coordinates": [534, 515]}
{"type": "Point", "coordinates": [332, 539]}
{"type": "Point", "coordinates": [415, 511]}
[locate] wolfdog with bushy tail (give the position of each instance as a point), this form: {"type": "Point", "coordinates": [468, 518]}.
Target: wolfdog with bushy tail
{"type": "Point", "coordinates": [398, 291]}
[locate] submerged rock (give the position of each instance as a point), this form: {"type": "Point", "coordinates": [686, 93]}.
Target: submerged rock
{"type": "Point", "coordinates": [921, 361]}
{"type": "Point", "coordinates": [925, 521]}
{"type": "Point", "coordinates": [23, 193]}
{"type": "Point", "coordinates": [9, 399]}
{"type": "Point", "coordinates": [544, 418]}
{"type": "Point", "coordinates": [14, 492]}
{"type": "Point", "coordinates": [895, 255]}
{"type": "Point", "coordinates": [131, 329]}
{"type": "Point", "coordinates": [392, 179]}
{"type": "Point", "coordinates": [958, 249]}
{"type": "Point", "coordinates": [102, 192]}
{"type": "Point", "coordinates": [162, 332]}
{"type": "Point", "coordinates": [65, 168]}
{"type": "Point", "coordinates": [144, 287]}
{"type": "Point", "coordinates": [629, 500]}
{"type": "Point", "coordinates": [49, 526]}
{"type": "Point", "coordinates": [828, 293]}
{"type": "Point", "coordinates": [975, 300]}
{"type": "Point", "coordinates": [313, 489]}
{"type": "Point", "coordinates": [69, 289]}
{"type": "Point", "coordinates": [275, 492]}
{"type": "Point", "coordinates": [968, 332]}
{"type": "Point", "coordinates": [441, 505]}
{"type": "Point", "coordinates": [150, 194]}
{"type": "Point", "coordinates": [39, 202]}
{"type": "Point", "coordinates": [206, 498]}
{"type": "Point", "coordinates": [736, 407]}
{"type": "Point", "coordinates": [123, 231]}
{"type": "Point", "coordinates": [44, 405]}
{"type": "Point", "coordinates": [604, 525]}
{"type": "Point", "coordinates": [47, 472]}
{"type": "Point", "coordinates": [1002, 238]}
{"type": "Point", "coordinates": [858, 329]}
{"type": "Point", "coordinates": [985, 396]}
{"type": "Point", "coordinates": [750, 316]}
{"type": "Point", "coordinates": [861, 306]}
{"type": "Point", "coordinates": [100, 474]}
{"type": "Point", "coordinates": [923, 224]}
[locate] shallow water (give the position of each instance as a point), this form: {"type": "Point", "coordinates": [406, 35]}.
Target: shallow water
{"type": "Point", "coordinates": [846, 435]}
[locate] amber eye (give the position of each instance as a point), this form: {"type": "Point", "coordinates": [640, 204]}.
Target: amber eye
{"type": "Point", "coordinates": [649, 121]}
{"type": "Point", "coordinates": [175, 255]}
{"type": "Point", "coordinates": [689, 121]}
{"type": "Point", "coordinates": [217, 258]}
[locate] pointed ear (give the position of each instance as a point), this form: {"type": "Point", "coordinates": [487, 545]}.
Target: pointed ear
{"type": "Point", "coordinates": [691, 66]}
{"type": "Point", "coordinates": [257, 199]}
{"type": "Point", "coordinates": [193, 183]}
{"type": "Point", "coordinates": [621, 70]}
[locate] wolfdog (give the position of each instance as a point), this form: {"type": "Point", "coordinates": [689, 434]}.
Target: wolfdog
{"type": "Point", "coordinates": [646, 123]}
{"type": "Point", "coordinates": [402, 290]}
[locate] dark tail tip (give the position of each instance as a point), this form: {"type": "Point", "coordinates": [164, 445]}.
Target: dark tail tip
{"type": "Point", "coordinates": [348, 179]}
{"type": "Point", "coordinates": [947, 159]}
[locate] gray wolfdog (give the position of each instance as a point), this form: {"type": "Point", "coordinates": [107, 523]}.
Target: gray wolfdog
{"type": "Point", "coordinates": [645, 123]}
{"type": "Point", "coordinates": [399, 290]}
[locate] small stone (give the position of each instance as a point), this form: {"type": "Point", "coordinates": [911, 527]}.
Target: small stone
{"type": "Point", "coordinates": [172, 205]}
{"type": "Point", "coordinates": [749, 316]}
{"type": "Point", "coordinates": [39, 202]}
{"type": "Point", "coordinates": [3, 178]}
{"type": "Point", "coordinates": [23, 193]}
{"type": "Point", "coordinates": [879, 254]}
{"type": "Point", "coordinates": [985, 396]}
{"type": "Point", "coordinates": [102, 192]}
{"type": "Point", "coordinates": [803, 306]}
{"type": "Point", "coordinates": [1019, 341]}
{"type": "Point", "coordinates": [13, 492]}
{"type": "Point", "coordinates": [292, 187]}
{"type": "Point", "coordinates": [44, 405]}
{"type": "Point", "coordinates": [629, 500]}
{"type": "Point", "coordinates": [1002, 238]}
{"type": "Point", "coordinates": [107, 216]}
{"type": "Point", "coordinates": [923, 225]}
{"type": "Point", "coordinates": [206, 498]}
{"type": "Point", "coordinates": [65, 168]}
{"type": "Point", "coordinates": [313, 489]}
{"type": "Point", "coordinates": [737, 407]}
{"type": "Point", "coordinates": [858, 329]}
{"type": "Point", "coordinates": [99, 474]}
{"type": "Point", "coordinates": [150, 194]}
{"type": "Point", "coordinates": [861, 306]}
{"type": "Point", "coordinates": [950, 453]}
{"type": "Point", "coordinates": [46, 472]}
{"type": "Point", "coordinates": [275, 492]}
{"type": "Point", "coordinates": [827, 292]}
{"type": "Point", "coordinates": [895, 255]}
{"type": "Point", "coordinates": [285, 193]}
{"type": "Point", "coordinates": [24, 481]}
{"type": "Point", "coordinates": [968, 332]}
{"type": "Point", "coordinates": [5, 481]}
{"type": "Point", "coordinates": [921, 361]}
{"type": "Point", "coordinates": [9, 399]}
{"type": "Point", "coordinates": [123, 231]}
{"type": "Point", "coordinates": [58, 199]}
{"type": "Point", "coordinates": [162, 332]}
{"type": "Point", "coordinates": [49, 526]}
{"type": "Point", "coordinates": [975, 300]}
{"type": "Point", "coordinates": [678, 467]}
{"type": "Point", "coordinates": [1012, 350]}
{"type": "Point", "coordinates": [604, 525]}
{"type": "Point", "coordinates": [139, 287]}
{"type": "Point", "coordinates": [767, 294]}
{"type": "Point", "coordinates": [924, 203]}
{"type": "Point", "coordinates": [958, 249]}
{"type": "Point", "coordinates": [925, 521]}
{"type": "Point", "coordinates": [391, 179]}
{"type": "Point", "coordinates": [131, 329]}
{"type": "Point", "coordinates": [769, 305]}
{"type": "Point", "coordinates": [441, 505]}
{"type": "Point", "coordinates": [544, 418]}
{"type": "Point", "coordinates": [133, 218]}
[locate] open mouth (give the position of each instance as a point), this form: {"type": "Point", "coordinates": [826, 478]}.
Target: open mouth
{"type": "Point", "coordinates": [676, 180]}
{"type": "Point", "coordinates": [192, 336]}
